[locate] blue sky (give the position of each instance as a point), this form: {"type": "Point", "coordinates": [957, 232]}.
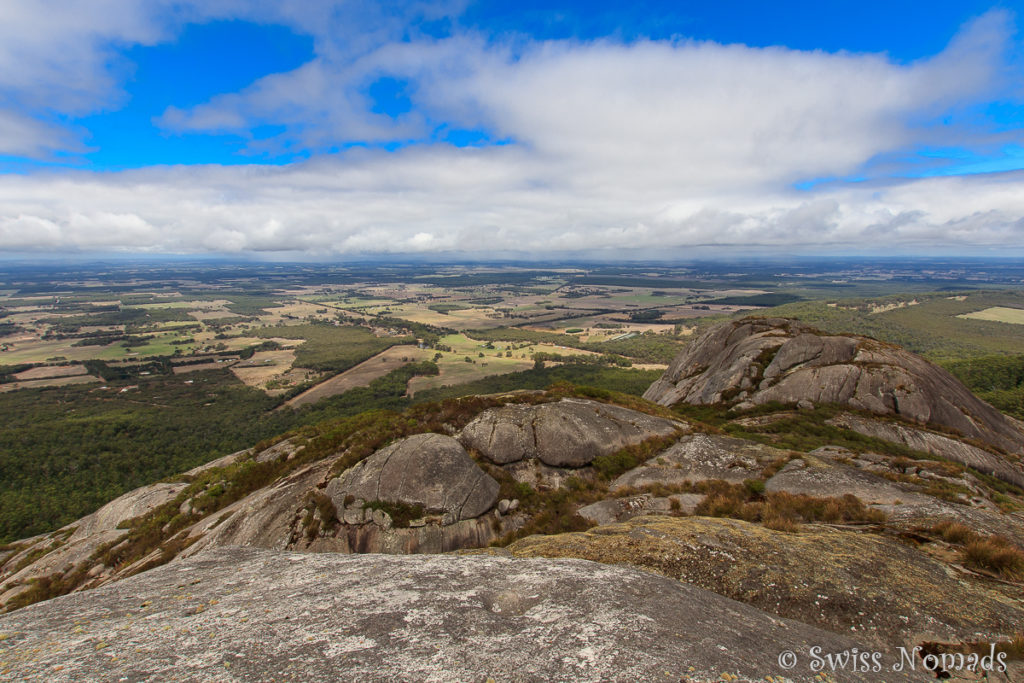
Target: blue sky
{"type": "Point", "coordinates": [202, 60]}
{"type": "Point", "coordinates": [329, 128]}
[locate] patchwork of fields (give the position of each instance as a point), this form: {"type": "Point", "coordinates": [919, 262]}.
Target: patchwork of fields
{"type": "Point", "coordinates": [158, 372]}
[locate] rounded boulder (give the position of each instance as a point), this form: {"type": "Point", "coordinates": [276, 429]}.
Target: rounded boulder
{"type": "Point", "coordinates": [430, 470]}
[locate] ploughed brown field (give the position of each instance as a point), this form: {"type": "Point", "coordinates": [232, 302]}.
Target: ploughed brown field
{"type": "Point", "coordinates": [362, 374]}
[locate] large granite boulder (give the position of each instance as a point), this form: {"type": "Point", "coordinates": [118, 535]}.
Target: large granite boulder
{"type": "Point", "coordinates": [242, 614]}
{"type": "Point", "coordinates": [762, 360]}
{"type": "Point", "coordinates": [568, 433]}
{"type": "Point", "coordinates": [431, 470]}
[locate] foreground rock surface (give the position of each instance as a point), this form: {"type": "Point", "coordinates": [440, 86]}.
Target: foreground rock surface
{"type": "Point", "coordinates": [763, 360]}
{"type": "Point", "coordinates": [236, 614]}
{"type": "Point", "coordinates": [883, 591]}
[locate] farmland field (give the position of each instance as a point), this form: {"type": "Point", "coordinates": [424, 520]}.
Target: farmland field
{"type": "Point", "coordinates": [361, 375]}
{"type": "Point", "coordinates": [999, 314]}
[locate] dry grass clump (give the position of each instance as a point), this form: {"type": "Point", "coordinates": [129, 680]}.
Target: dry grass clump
{"type": "Point", "coordinates": [954, 532]}
{"type": "Point", "coordinates": [775, 465]}
{"type": "Point", "coordinates": [994, 554]}
{"type": "Point", "coordinates": [1013, 649]}
{"type": "Point", "coordinates": [780, 510]}
{"type": "Point", "coordinates": [997, 555]}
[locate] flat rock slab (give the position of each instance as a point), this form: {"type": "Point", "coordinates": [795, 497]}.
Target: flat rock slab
{"type": "Point", "coordinates": [702, 456]}
{"type": "Point", "coordinates": [132, 504]}
{"type": "Point", "coordinates": [568, 433]}
{"type": "Point", "coordinates": [817, 477]}
{"type": "Point", "coordinates": [236, 614]}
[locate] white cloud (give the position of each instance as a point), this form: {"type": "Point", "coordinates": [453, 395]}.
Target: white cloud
{"type": "Point", "coordinates": [657, 146]}
{"type": "Point", "coordinates": [24, 136]}
{"type": "Point", "coordinates": [694, 114]}
{"type": "Point", "coordinates": [61, 59]}
{"type": "Point", "coordinates": [478, 201]}
{"type": "Point", "coordinates": [64, 57]}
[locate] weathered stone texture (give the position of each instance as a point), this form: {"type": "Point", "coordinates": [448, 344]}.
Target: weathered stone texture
{"type": "Point", "coordinates": [235, 614]}
{"type": "Point", "coordinates": [432, 470]}
{"type": "Point", "coordinates": [568, 433]}
{"type": "Point", "coordinates": [698, 457]}
{"type": "Point", "coordinates": [761, 360]}
{"type": "Point", "coordinates": [884, 591]}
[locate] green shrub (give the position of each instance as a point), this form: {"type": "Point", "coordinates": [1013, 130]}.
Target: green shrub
{"type": "Point", "coordinates": [612, 465]}
{"type": "Point", "coordinates": [400, 513]}
{"type": "Point", "coordinates": [755, 487]}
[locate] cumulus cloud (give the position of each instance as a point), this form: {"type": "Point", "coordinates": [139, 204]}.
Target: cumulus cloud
{"type": "Point", "coordinates": [479, 202]}
{"type": "Point", "coordinates": [61, 58]}
{"type": "Point", "coordinates": [24, 136]}
{"type": "Point", "coordinates": [64, 58]}
{"type": "Point", "coordinates": [652, 145]}
{"type": "Point", "coordinates": [702, 113]}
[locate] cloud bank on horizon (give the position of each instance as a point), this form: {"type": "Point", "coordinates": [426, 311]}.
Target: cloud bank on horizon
{"type": "Point", "coordinates": [427, 127]}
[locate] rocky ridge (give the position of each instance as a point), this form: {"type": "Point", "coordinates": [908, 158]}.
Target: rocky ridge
{"type": "Point", "coordinates": [457, 487]}
{"type": "Point", "coordinates": [457, 501]}
{"type": "Point", "coordinates": [756, 361]}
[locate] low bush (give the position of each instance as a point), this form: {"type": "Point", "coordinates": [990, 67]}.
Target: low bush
{"type": "Point", "coordinates": [954, 532]}
{"type": "Point", "coordinates": [994, 554]}
{"type": "Point", "coordinates": [612, 465]}
{"type": "Point", "coordinates": [50, 586]}
{"type": "Point", "coordinates": [400, 513]}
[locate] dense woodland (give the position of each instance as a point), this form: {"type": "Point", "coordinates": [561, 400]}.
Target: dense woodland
{"type": "Point", "coordinates": [66, 451]}
{"type": "Point", "coordinates": [929, 327]}
{"type": "Point", "coordinates": [996, 379]}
